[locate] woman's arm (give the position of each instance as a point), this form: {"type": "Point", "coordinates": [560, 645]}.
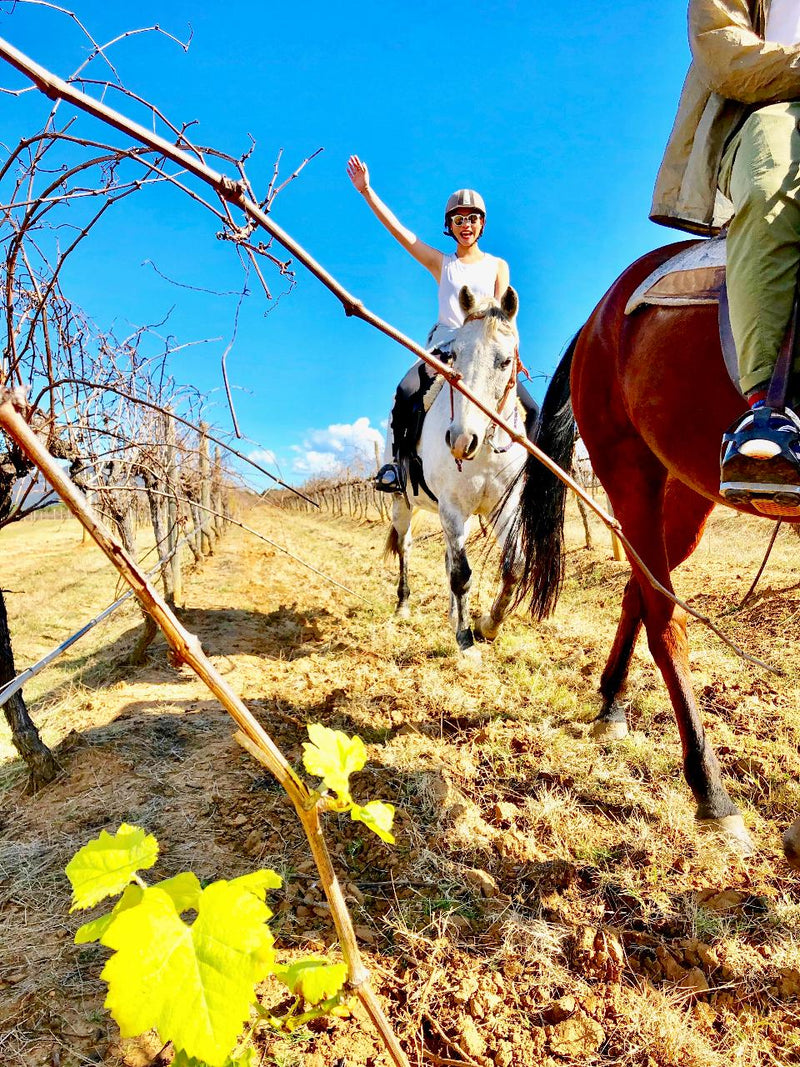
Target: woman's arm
{"type": "Point", "coordinates": [503, 279]}
{"type": "Point", "coordinates": [430, 258]}
{"type": "Point", "coordinates": [734, 61]}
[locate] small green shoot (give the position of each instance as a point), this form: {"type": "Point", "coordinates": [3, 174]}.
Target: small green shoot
{"type": "Point", "coordinates": [333, 756]}
{"type": "Point", "coordinates": [104, 867]}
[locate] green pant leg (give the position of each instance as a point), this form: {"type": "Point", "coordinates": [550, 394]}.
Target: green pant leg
{"type": "Point", "coordinates": [764, 237]}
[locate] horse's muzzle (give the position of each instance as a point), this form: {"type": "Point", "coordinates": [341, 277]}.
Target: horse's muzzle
{"type": "Point", "coordinates": [465, 445]}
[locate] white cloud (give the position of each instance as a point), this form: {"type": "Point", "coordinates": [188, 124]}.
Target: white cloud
{"type": "Point", "coordinates": [339, 447]}
{"type": "Point", "coordinates": [265, 456]}
{"type": "Point", "coordinates": [311, 462]}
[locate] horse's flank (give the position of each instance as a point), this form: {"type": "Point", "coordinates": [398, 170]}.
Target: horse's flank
{"type": "Point", "coordinates": [652, 398]}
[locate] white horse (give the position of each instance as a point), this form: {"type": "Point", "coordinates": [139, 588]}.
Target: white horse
{"type": "Point", "coordinates": [469, 463]}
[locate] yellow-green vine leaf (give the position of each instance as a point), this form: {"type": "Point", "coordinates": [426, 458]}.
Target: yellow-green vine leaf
{"type": "Point", "coordinates": [377, 816]}
{"type": "Point", "coordinates": [106, 865]}
{"type": "Point", "coordinates": [333, 757]}
{"type": "Point", "coordinates": [184, 891]}
{"type": "Point", "coordinates": [94, 930]}
{"type": "Point", "coordinates": [313, 979]}
{"type": "Point", "coordinates": [193, 984]}
{"type": "Point", "coordinates": [258, 882]}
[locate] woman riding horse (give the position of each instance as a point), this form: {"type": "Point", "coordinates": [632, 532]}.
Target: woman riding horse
{"type": "Point", "coordinates": [485, 275]}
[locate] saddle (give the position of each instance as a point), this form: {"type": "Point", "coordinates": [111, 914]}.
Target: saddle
{"type": "Point", "coordinates": [695, 275]}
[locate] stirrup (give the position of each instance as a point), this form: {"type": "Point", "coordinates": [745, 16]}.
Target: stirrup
{"type": "Point", "coordinates": [389, 479]}
{"type": "Point", "coordinates": [760, 461]}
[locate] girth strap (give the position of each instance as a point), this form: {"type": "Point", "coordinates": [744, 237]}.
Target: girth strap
{"type": "Point", "coordinates": [779, 382]}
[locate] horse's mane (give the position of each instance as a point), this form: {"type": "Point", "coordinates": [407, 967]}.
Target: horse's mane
{"type": "Point", "coordinates": [488, 311]}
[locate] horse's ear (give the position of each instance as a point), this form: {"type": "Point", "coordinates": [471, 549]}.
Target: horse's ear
{"type": "Point", "coordinates": [509, 304]}
{"type": "Point", "coordinates": [466, 299]}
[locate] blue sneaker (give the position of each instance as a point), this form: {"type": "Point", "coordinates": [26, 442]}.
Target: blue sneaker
{"type": "Point", "coordinates": [760, 459]}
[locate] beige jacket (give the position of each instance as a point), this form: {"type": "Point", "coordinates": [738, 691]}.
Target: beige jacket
{"type": "Point", "coordinates": [734, 70]}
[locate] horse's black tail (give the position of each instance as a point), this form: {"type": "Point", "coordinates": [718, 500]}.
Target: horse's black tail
{"type": "Point", "coordinates": [392, 546]}
{"type": "Point", "coordinates": [538, 526]}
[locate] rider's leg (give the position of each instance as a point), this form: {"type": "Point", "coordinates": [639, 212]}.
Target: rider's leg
{"type": "Point", "coordinates": [763, 258]}
{"type": "Point", "coordinates": [531, 409]}
{"type": "Point", "coordinates": [764, 238]}
{"type": "Point", "coordinates": [390, 477]}
{"type": "Point", "coordinates": [403, 426]}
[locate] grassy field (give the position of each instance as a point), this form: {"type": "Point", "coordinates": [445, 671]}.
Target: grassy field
{"type": "Point", "coordinates": [548, 901]}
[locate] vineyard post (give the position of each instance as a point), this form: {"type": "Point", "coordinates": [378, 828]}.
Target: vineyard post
{"type": "Point", "coordinates": [216, 491]}
{"type": "Point", "coordinates": [205, 489]}
{"type": "Point", "coordinates": [379, 495]}
{"type": "Point", "coordinates": [250, 735]}
{"type": "Point", "coordinates": [173, 483]}
{"type": "Point", "coordinates": [616, 546]}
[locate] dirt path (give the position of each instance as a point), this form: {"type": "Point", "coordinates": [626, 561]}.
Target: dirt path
{"type": "Point", "coordinates": [546, 902]}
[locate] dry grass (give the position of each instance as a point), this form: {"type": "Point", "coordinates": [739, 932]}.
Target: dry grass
{"type": "Point", "coordinates": [548, 901]}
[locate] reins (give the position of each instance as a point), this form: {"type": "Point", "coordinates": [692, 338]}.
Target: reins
{"type": "Point", "coordinates": [518, 367]}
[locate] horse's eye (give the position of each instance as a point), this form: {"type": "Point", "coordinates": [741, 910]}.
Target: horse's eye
{"type": "Point", "coordinates": [504, 363]}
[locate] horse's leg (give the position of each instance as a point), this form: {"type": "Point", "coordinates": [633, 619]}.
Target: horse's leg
{"type": "Point", "coordinates": [488, 626]}
{"type": "Point", "coordinates": [401, 527]}
{"type": "Point", "coordinates": [460, 577]}
{"type": "Point", "coordinates": [685, 514]}
{"type": "Point", "coordinates": [612, 722]}
{"type": "Point", "coordinates": [639, 503]}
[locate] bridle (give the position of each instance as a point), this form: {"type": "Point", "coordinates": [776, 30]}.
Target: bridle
{"type": "Point", "coordinates": [517, 367]}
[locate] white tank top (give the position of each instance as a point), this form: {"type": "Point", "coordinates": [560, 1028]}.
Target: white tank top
{"type": "Point", "coordinates": [783, 22]}
{"type": "Point", "coordinates": [480, 277]}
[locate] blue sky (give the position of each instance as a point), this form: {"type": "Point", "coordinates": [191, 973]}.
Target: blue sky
{"type": "Point", "coordinates": [558, 118]}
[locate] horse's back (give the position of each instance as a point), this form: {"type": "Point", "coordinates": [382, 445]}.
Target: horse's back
{"type": "Point", "coordinates": [656, 375]}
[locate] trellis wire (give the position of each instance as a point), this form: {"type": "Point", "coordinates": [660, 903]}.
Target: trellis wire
{"type": "Point", "coordinates": [236, 192]}
{"type": "Point", "coordinates": [12, 687]}
{"type": "Point", "coordinates": [263, 537]}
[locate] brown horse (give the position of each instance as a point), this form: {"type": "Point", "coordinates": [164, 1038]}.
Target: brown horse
{"type": "Point", "coordinates": [651, 399]}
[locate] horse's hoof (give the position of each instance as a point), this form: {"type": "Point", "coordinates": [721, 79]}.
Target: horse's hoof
{"type": "Point", "coordinates": [733, 832]}
{"type": "Point", "coordinates": [791, 844]}
{"type": "Point", "coordinates": [403, 611]}
{"type": "Point", "coordinates": [603, 730]}
{"type": "Point", "coordinates": [485, 629]}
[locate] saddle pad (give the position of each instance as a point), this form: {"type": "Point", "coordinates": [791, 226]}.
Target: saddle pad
{"type": "Point", "coordinates": [693, 276]}
{"type": "Point", "coordinates": [432, 392]}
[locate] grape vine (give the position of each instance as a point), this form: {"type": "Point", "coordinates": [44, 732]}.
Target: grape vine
{"type": "Point", "coordinates": [187, 958]}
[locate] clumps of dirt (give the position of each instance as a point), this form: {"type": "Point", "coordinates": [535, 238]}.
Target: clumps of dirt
{"type": "Point", "coordinates": [547, 902]}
